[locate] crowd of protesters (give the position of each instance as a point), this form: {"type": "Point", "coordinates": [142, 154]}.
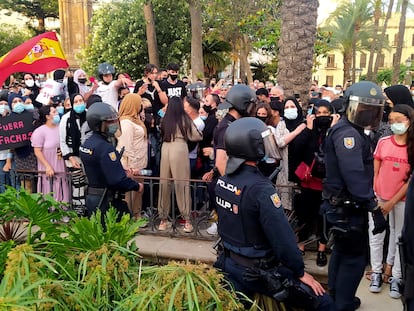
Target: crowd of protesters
{"type": "Point", "coordinates": [167, 128]}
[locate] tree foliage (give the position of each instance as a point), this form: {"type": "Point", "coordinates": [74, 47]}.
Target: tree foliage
{"type": "Point", "coordinates": [118, 36]}
{"type": "Point", "coordinates": [10, 37]}
{"type": "Point", "coordinates": [34, 10]}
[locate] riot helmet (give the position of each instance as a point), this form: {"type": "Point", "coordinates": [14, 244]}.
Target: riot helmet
{"type": "Point", "coordinates": [365, 104]}
{"type": "Point", "coordinates": [105, 69]}
{"type": "Point", "coordinates": [103, 118]}
{"type": "Point", "coordinates": [247, 139]}
{"type": "Point", "coordinates": [241, 98]}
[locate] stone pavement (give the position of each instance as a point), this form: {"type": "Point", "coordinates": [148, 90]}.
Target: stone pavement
{"type": "Point", "coordinates": [162, 248]}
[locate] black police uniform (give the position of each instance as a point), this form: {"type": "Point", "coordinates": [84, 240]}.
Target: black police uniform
{"type": "Point", "coordinates": [348, 196]}
{"type": "Point", "coordinates": [255, 233]}
{"type": "Point", "coordinates": [106, 177]}
{"type": "Point", "coordinates": [407, 248]}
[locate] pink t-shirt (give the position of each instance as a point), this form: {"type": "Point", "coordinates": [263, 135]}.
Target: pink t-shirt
{"type": "Point", "coordinates": [393, 168]}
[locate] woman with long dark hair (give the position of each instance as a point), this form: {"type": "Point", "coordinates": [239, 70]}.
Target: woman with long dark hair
{"type": "Point", "coordinates": [176, 130]}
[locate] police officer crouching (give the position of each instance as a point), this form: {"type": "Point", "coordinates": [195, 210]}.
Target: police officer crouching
{"type": "Point", "coordinates": [348, 191]}
{"type": "Point", "coordinates": [260, 251]}
{"type": "Point", "coordinates": [107, 181]}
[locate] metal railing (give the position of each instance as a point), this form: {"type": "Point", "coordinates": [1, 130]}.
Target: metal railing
{"type": "Point", "coordinates": [200, 211]}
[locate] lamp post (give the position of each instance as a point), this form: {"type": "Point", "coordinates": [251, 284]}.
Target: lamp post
{"type": "Point", "coordinates": [408, 64]}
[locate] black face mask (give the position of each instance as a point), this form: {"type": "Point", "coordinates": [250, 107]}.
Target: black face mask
{"type": "Point", "coordinates": [262, 118]}
{"type": "Point", "coordinates": [173, 77]}
{"type": "Point", "coordinates": [82, 80]}
{"type": "Point", "coordinates": [323, 122]}
{"type": "Point", "coordinates": [207, 108]}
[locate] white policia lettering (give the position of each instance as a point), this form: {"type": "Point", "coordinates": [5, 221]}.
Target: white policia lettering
{"type": "Point", "coordinates": [229, 187]}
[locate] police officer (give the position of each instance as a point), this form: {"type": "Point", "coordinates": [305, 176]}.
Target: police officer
{"type": "Point", "coordinates": [256, 235]}
{"type": "Point", "coordinates": [348, 191]}
{"type": "Point", "coordinates": [240, 102]}
{"type": "Point", "coordinates": [106, 177]}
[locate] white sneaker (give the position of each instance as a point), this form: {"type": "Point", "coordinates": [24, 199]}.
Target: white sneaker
{"type": "Point", "coordinates": [376, 282]}
{"type": "Point", "coordinates": [395, 288]}
{"type": "Point", "coordinates": [212, 230]}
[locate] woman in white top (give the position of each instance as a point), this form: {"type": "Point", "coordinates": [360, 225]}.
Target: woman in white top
{"type": "Point", "coordinates": [134, 141]}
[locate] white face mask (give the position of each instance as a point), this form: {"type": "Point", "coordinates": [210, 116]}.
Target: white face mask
{"type": "Point", "coordinates": [290, 113]}
{"type": "Point", "coordinates": [29, 82]}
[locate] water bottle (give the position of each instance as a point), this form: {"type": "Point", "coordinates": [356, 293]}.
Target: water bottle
{"type": "Point", "coordinates": [145, 172]}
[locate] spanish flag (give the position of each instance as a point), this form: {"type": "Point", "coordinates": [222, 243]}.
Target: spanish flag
{"type": "Point", "coordinates": [40, 54]}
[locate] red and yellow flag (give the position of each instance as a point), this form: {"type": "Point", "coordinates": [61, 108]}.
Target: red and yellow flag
{"type": "Point", "coordinates": [40, 54]}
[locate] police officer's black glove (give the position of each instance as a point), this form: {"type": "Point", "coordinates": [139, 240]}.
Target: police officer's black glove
{"type": "Point", "coordinates": [380, 223]}
{"type": "Point", "coordinates": [270, 278]}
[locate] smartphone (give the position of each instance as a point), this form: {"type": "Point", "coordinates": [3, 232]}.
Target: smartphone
{"type": "Point", "coordinates": [92, 79]}
{"type": "Point", "coordinates": [297, 95]}
{"type": "Point", "coordinates": [310, 110]}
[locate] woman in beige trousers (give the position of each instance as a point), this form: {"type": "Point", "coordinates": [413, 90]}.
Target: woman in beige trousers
{"type": "Point", "coordinates": [176, 129]}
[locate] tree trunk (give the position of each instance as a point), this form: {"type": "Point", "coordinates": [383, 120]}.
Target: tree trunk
{"type": "Point", "coordinates": [41, 25]}
{"type": "Point", "coordinates": [197, 64]}
{"type": "Point", "coordinates": [347, 66]}
{"type": "Point", "coordinates": [400, 42]}
{"type": "Point", "coordinates": [244, 60]}
{"type": "Point", "coordinates": [151, 34]}
{"type": "Point", "coordinates": [380, 44]}
{"type": "Point", "coordinates": [377, 16]}
{"type": "Point", "coordinates": [297, 38]}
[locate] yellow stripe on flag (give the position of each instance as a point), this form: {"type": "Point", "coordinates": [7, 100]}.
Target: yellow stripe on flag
{"type": "Point", "coordinates": [45, 48]}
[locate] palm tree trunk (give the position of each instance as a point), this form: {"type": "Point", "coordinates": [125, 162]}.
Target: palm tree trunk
{"type": "Point", "coordinates": [377, 16]}
{"type": "Point", "coordinates": [197, 65]}
{"type": "Point", "coordinates": [379, 46]}
{"type": "Point", "coordinates": [297, 39]}
{"type": "Point", "coordinates": [347, 66]}
{"type": "Point", "coordinates": [244, 62]}
{"type": "Point", "coordinates": [400, 42]}
{"type": "Point", "coordinates": [151, 34]}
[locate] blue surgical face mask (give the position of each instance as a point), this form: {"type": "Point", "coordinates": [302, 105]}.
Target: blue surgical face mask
{"type": "Point", "coordinates": [111, 129]}
{"type": "Point", "coordinates": [203, 118]}
{"type": "Point", "coordinates": [4, 108]}
{"type": "Point", "coordinates": [290, 113]}
{"type": "Point", "coordinates": [79, 108]}
{"type": "Point", "coordinates": [56, 119]}
{"type": "Point", "coordinates": [28, 107]}
{"type": "Point", "coordinates": [161, 113]}
{"type": "Point", "coordinates": [60, 110]}
{"type": "Point", "coordinates": [399, 128]}
{"type": "Point", "coordinates": [18, 108]}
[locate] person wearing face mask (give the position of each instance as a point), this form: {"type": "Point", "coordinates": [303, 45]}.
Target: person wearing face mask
{"type": "Point", "coordinates": [392, 171]}
{"type": "Point", "coordinates": [310, 148]}
{"type": "Point", "coordinates": [24, 156]}
{"type": "Point", "coordinates": [107, 180]}
{"type": "Point", "coordinates": [50, 163]}
{"type": "Point", "coordinates": [77, 84]}
{"type": "Point", "coordinates": [6, 156]}
{"type": "Point", "coordinates": [70, 141]}
{"type": "Point", "coordinates": [348, 193]}
{"type": "Point", "coordinates": [31, 89]}
{"type": "Point", "coordinates": [172, 86]}
{"type": "Point", "coordinates": [134, 140]}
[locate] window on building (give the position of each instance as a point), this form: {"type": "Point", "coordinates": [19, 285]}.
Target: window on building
{"type": "Point", "coordinates": [330, 63]}
{"type": "Point", "coordinates": [381, 60]}
{"type": "Point", "coordinates": [329, 80]}
{"type": "Point", "coordinates": [395, 43]}
{"type": "Point", "coordinates": [412, 41]}
{"type": "Point", "coordinates": [363, 60]}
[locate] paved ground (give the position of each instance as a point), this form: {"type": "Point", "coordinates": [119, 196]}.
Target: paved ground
{"type": "Point", "coordinates": [162, 249]}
